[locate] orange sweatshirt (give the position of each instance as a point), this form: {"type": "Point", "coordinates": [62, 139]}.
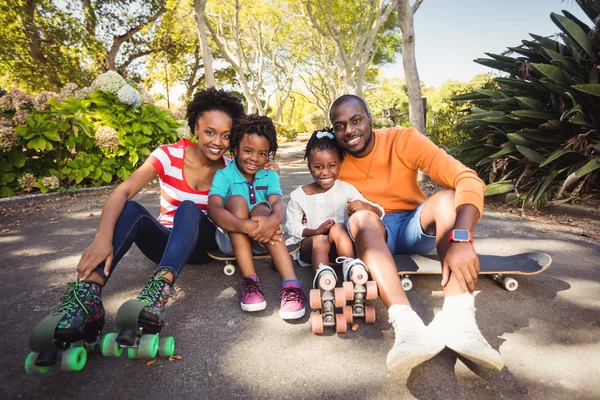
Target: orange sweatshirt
{"type": "Point", "coordinates": [388, 175]}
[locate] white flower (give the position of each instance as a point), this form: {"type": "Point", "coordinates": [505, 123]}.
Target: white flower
{"type": "Point", "coordinates": [179, 114]}
{"type": "Point", "coordinates": [20, 117]}
{"type": "Point", "coordinates": [128, 95]}
{"type": "Point", "coordinates": [19, 98]}
{"type": "Point", "coordinates": [184, 130]}
{"type": "Point", "coordinates": [106, 137]}
{"type": "Point", "coordinates": [82, 93]}
{"type": "Point", "coordinates": [109, 81]}
{"type": "Point", "coordinates": [40, 102]}
{"type": "Point", "coordinates": [8, 137]}
{"type": "Point", "coordinates": [5, 122]}
{"type": "Point", "coordinates": [51, 182]}
{"type": "Point", "coordinates": [27, 181]}
{"type": "Point", "coordinates": [68, 91]}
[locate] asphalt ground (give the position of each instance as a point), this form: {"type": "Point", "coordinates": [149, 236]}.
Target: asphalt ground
{"type": "Point", "coordinates": [548, 330]}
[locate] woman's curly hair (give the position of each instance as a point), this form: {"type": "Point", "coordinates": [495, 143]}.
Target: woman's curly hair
{"type": "Point", "coordinates": [323, 143]}
{"type": "Point", "coordinates": [260, 125]}
{"type": "Point", "coordinates": [213, 99]}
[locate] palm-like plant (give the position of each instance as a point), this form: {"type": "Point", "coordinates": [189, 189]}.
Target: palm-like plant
{"type": "Point", "coordinates": [538, 133]}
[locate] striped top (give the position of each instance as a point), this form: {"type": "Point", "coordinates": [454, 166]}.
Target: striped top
{"type": "Point", "coordinates": [168, 161]}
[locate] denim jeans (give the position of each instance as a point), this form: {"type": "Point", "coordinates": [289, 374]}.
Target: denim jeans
{"type": "Point", "coordinates": [187, 242]}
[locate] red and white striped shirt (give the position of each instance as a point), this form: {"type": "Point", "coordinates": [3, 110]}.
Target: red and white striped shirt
{"type": "Point", "coordinates": [168, 161]}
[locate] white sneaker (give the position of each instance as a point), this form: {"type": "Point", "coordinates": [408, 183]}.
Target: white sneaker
{"type": "Point", "coordinates": [414, 343]}
{"type": "Point", "coordinates": [457, 328]}
{"type": "Point", "coordinates": [325, 270]}
{"type": "Point", "coordinates": [348, 263]}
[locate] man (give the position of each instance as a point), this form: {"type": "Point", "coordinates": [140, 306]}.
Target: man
{"type": "Point", "coordinates": [383, 165]}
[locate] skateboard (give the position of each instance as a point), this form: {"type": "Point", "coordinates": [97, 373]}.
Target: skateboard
{"type": "Point", "coordinates": [495, 266]}
{"type": "Point", "coordinates": [229, 268]}
{"type": "Point", "coordinates": [140, 339]}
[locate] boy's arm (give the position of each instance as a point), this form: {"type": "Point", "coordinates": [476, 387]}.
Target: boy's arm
{"type": "Point", "coordinates": [226, 220]}
{"type": "Point", "coordinates": [267, 225]}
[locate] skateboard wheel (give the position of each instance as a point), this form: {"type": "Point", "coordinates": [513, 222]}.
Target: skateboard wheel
{"type": "Point", "coordinates": [30, 366]}
{"type": "Point", "coordinates": [317, 323]}
{"type": "Point", "coordinates": [371, 290]}
{"type": "Point", "coordinates": [340, 323]}
{"type": "Point", "coordinates": [315, 299]}
{"type": "Point", "coordinates": [370, 315]}
{"type": "Point", "coordinates": [339, 297]}
{"type": "Point", "coordinates": [510, 284]}
{"type": "Point", "coordinates": [149, 346]}
{"type": "Point", "coordinates": [348, 314]}
{"type": "Point", "coordinates": [229, 269]}
{"type": "Point", "coordinates": [167, 346]}
{"type": "Point", "coordinates": [74, 359]}
{"type": "Point", "coordinates": [406, 284]}
{"type": "Point", "coordinates": [110, 347]}
{"type": "Point", "coordinates": [349, 290]}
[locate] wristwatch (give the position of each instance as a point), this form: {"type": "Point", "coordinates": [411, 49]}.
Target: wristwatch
{"type": "Point", "coordinates": [460, 235]}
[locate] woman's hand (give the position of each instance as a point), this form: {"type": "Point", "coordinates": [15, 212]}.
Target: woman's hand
{"type": "Point", "coordinates": [99, 250]}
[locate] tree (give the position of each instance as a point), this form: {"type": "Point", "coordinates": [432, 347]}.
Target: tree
{"type": "Point", "coordinates": [354, 27]}
{"type": "Point", "coordinates": [406, 14]}
{"type": "Point", "coordinates": [200, 9]}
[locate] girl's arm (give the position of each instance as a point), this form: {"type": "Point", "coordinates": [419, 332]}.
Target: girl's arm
{"type": "Point", "coordinates": [294, 225]}
{"type": "Point", "coordinates": [101, 248]}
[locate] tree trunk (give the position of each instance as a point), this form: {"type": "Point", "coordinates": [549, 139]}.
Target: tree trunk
{"type": "Point", "coordinates": [409, 62]}
{"type": "Point", "coordinates": [209, 75]}
{"type": "Point", "coordinates": [35, 51]}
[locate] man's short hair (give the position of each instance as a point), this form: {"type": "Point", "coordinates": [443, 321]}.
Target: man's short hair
{"type": "Point", "coordinates": [344, 99]}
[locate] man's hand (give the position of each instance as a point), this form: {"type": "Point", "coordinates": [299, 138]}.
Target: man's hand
{"type": "Point", "coordinates": [267, 228]}
{"type": "Point", "coordinates": [358, 205]}
{"type": "Point", "coordinates": [99, 250]}
{"type": "Point", "coordinates": [324, 228]}
{"type": "Point", "coordinates": [461, 261]}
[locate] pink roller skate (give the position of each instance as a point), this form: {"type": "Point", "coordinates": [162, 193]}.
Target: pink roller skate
{"type": "Point", "coordinates": [325, 298]}
{"type": "Point", "coordinates": [358, 288]}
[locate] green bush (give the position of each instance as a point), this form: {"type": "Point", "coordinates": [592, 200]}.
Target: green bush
{"type": "Point", "coordinates": [63, 143]}
{"type": "Point", "coordinates": [285, 132]}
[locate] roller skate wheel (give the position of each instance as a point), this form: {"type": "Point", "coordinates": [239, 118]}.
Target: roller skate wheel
{"type": "Point", "coordinates": [317, 323]}
{"type": "Point", "coordinates": [110, 347]}
{"type": "Point", "coordinates": [370, 315]}
{"type": "Point", "coordinates": [406, 284]}
{"type": "Point", "coordinates": [349, 290]}
{"type": "Point", "coordinates": [371, 290]}
{"type": "Point", "coordinates": [327, 280]}
{"type": "Point", "coordinates": [339, 296]}
{"type": "Point", "coordinates": [347, 310]}
{"type": "Point", "coordinates": [510, 284]}
{"type": "Point", "coordinates": [229, 269]}
{"type": "Point", "coordinates": [315, 299]}
{"type": "Point", "coordinates": [149, 344]}
{"type": "Point", "coordinates": [133, 353]}
{"type": "Point", "coordinates": [167, 346]}
{"type": "Point", "coordinates": [359, 275]}
{"type": "Point", "coordinates": [74, 359]}
{"type": "Point", "coordinates": [340, 323]}
{"type": "Point", "coordinates": [30, 366]}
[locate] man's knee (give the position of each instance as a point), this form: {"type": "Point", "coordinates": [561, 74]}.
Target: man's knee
{"type": "Point", "coordinates": [365, 221]}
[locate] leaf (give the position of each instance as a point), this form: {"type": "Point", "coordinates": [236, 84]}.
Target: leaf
{"type": "Point", "coordinates": [533, 114]}
{"type": "Point", "coordinates": [175, 357]}
{"type": "Point", "coordinates": [499, 188]}
{"type": "Point", "coordinates": [530, 154]}
{"type": "Point", "coordinates": [150, 362]}
{"type": "Point", "coordinates": [38, 143]}
{"type": "Point", "coordinates": [587, 168]}
{"type": "Point", "coordinates": [558, 153]}
{"type": "Point", "coordinates": [52, 135]}
{"type": "Point", "coordinates": [547, 182]}
{"type": "Point", "coordinates": [5, 191]}
{"type": "Point", "coordinates": [574, 32]}
{"type": "Point", "coordinates": [593, 89]}
{"type": "Point", "coordinates": [531, 103]}
{"type": "Point", "coordinates": [552, 72]}
{"type": "Point", "coordinates": [17, 158]}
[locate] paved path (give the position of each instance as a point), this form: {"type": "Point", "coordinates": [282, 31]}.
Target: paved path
{"type": "Point", "coordinates": [547, 330]}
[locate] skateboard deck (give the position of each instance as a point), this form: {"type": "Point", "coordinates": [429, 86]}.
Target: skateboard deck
{"type": "Point", "coordinates": [229, 268]}
{"type": "Point", "coordinates": [494, 265]}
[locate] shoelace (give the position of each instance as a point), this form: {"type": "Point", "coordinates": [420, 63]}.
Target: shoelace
{"type": "Point", "coordinates": [71, 299]}
{"type": "Point", "coordinates": [152, 290]}
{"type": "Point", "coordinates": [291, 294]}
{"type": "Point", "coordinates": [250, 286]}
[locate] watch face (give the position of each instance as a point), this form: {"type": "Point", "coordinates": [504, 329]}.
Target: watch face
{"type": "Point", "coordinates": [461, 235]}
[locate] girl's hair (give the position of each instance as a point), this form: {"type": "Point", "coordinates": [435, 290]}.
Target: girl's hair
{"type": "Point", "coordinates": [260, 125]}
{"type": "Point", "coordinates": [213, 99]}
{"type": "Point", "coordinates": [324, 142]}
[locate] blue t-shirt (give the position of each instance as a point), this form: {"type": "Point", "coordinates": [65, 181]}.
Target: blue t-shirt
{"type": "Point", "coordinates": [229, 181]}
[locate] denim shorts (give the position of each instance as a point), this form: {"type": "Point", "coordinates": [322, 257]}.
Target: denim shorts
{"type": "Point", "coordinates": [405, 234]}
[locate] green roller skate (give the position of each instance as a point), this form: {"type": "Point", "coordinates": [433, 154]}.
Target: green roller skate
{"type": "Point", "coordinates": [139, 323]}
{"type": "Point", "coordinates": [70, 333]}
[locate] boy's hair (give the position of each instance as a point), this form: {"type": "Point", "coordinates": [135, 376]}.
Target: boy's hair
{"type": "Point", "coordinates": [260, 125]}
{"type": "Point", "coordinates": [213, 99]}
{"type": "Point", "coordinates": [323, 143]}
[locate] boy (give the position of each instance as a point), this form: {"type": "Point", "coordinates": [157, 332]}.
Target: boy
{"type": "Point", "coordinates": [245, 202]}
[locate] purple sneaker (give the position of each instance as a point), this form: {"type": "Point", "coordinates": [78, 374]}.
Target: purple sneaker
{"type": "Point", "coordinates": [252, 297]}
{"type": "Point", "coordinates": [292, 301]}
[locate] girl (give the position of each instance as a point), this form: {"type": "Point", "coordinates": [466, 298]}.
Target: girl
{"type": "Point", "coordinates": [181, 234]}
{"type": "Point", "coordinates": [316, 213]}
